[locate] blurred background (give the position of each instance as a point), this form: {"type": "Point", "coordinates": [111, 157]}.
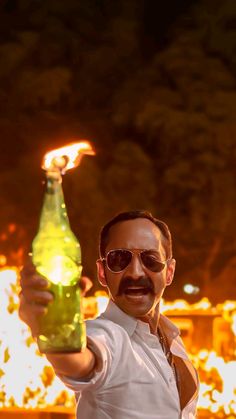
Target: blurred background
{"type": "Point", "coordinates": [152, 85]}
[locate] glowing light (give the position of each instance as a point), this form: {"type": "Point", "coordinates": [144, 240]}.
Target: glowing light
{"type": "Point", "coordinates": [59, 269]}
{"type": "Point", "coordinates": [190, 289]}
{"type": "Point", "coordinates": [11, 228]}
{"type": "Point", "coordinates": [182, 305]}
{"type": "Point", "coordinates": [3, 260]}
{"type": "Point", "coordinates": [67, 157]}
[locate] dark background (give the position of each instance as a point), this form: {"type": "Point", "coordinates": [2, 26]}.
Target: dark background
{"type": "Point", "coordinates": [152, 85]}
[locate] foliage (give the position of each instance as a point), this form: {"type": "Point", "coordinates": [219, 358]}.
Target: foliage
{"type": "Point", "coordinates": [159, 107]}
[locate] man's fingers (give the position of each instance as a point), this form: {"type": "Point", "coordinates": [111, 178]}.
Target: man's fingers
{"type": "Point", "coordinates": [34, 281]}
{"type": "Point", "coordinates": [29, 313]}
{"type": "Point", "coordinates": [35, 296]}
{"type": "Point", "coordinates": [28, 269]}
{"type": "Point", "coordinates": [30, 278]}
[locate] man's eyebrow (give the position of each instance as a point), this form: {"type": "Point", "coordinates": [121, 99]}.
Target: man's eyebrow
{"type": "Point", "coordinates": [156, 251]}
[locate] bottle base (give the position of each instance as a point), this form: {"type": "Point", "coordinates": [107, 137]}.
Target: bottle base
{"type": "Point", "coordinates": [63, 343]}
{"type": "Point", "coordinates": [61, 351]}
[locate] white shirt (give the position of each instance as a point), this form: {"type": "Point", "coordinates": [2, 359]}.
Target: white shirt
{"type": "Point", "coordinates": [135, 380]}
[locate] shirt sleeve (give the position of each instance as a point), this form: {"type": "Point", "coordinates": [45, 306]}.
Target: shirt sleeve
{"type": "Point", "coordinates": [98, 343]}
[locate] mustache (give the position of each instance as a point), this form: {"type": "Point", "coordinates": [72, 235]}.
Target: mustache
{"type": "Point", "coordinates": [143, 281]}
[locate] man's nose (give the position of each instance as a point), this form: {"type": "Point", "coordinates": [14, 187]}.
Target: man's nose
{"type": "Point", "coordinates": [135, 268]}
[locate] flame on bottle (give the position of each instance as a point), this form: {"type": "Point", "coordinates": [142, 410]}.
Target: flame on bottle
{"type": "Point", "coordinates": [67, 157]}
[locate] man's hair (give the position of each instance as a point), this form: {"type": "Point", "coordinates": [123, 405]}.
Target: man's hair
{"type": "Point", "coordinates": [132, 215]}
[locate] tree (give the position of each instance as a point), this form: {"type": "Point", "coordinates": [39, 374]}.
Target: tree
{"type": "Point", "coordinates": [159, 106]}
{"type": "Point", "coordinates": [183, 103]}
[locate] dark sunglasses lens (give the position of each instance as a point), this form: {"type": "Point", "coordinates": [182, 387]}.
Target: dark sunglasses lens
{"type": "Point", "coordinates": [118, 260]}
{"type": "Point", "coordinates": [151, 262]}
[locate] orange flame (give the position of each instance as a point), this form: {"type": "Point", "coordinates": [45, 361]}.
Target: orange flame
{"type": "Point", "coordinates": [67, 157]}
{"type": "Point", "coordinates": [38, 387]}
{"type": "Point", "coordinates": [234, 322]}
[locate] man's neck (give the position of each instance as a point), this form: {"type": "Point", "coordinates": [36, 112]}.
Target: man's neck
{"type": "Point", "coordinates": [152, 318]}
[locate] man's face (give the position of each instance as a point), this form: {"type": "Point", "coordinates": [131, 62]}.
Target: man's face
{"type": "Point", "coordinates": [136, 290]}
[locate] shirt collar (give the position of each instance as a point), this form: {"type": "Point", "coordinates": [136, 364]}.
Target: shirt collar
{"type": "Point", "coordinates": [115, 314]}
{"type": "Point", "coordinates": [170, 329]}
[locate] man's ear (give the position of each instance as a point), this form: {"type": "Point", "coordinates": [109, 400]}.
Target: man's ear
{"type": "Point", "coordinates": [101, 273]}
{"type": "Point", "coordinates": [170, 271]}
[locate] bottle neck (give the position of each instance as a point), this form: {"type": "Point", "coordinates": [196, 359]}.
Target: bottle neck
{"type": "Point", "coordinates": [53, 185]}
{"type": "Point", "coordinates": [54, 208]}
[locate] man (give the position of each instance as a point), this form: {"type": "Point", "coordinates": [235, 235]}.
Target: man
{"type": "Point", "coordinates": [135, 365]}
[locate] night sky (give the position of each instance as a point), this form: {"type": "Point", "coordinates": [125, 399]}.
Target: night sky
{"type": "Point", "coordinates": [152, 85]}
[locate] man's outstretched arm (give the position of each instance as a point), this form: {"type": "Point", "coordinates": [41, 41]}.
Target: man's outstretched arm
{"type": "Point", "coordinates": [34, 299]}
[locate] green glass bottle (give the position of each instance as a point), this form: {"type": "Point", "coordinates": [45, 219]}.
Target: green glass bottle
{"type": "Point", "coordinates": [56, 255]}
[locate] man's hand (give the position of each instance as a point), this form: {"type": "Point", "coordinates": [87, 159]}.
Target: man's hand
{"type": "Point", "coordinates": [35, 296]}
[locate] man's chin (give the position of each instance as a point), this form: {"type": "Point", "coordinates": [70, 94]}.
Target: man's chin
{"type": "Point", "coordinates": [135, 305]}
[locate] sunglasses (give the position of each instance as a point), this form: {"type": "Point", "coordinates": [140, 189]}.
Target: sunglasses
{"type": "Point", "coordinates": [119, 259]}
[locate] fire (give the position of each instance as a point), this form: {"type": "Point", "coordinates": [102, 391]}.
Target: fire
{"type": "Point", "coordinates": [234, 323]}
{"type": "Point", "coordinates": [202, 305]}
{"type": "Point", "coordinates": [3, 260]}
{"type": "Point", "coordinates": [67, 157]}
{"type": "Point", "coordinates": [36, 384]}
{"type": "Point", "coordinates": [38, 387]}
{"type": "Point", "coordinates": [217, 387]}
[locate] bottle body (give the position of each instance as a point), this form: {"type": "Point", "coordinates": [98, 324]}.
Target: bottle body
{"type": "Point", "coordinates": [56, 255]}
{"type": "Point", "coordinates": [62, 328]}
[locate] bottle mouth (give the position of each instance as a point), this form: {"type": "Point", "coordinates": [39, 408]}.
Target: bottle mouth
{"type": "Point", "coordinates": [60, 163]}
{"type": "Point", "coordinates": [53, 176]}
{"type": "Point", "coordinates": [67, 157]}
{"type": "Point", "coordinates": [57, 168]}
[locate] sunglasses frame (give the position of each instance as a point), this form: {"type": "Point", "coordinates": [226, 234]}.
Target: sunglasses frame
{"type": "Point", "coordinates": [134, 252]}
